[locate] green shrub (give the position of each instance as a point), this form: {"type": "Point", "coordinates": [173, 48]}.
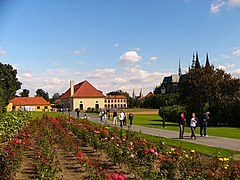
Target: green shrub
{"type": "Point", "coordinates": [172, 113]}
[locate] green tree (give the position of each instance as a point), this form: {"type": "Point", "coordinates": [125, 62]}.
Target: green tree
{"type": "Point", "coordinates": [42, 93]}
{"type": "Point", "coordinates": [9, 82]}
{"type": "Point", "coordinates": [207, 89]}
{"type": "Point", "coordinates": [55, 97]}
{"type": "Point", "coordinates": [24, 93]}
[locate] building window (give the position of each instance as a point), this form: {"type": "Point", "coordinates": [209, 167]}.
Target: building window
{"type": "Point", "coordinates": [115, 100]}
{"type": "Point", "coordinates": [124, 100]}
{"type": "Point", "coordinates": [80, 101]}
{"type": "Point", "coordinates": [105, 101]}
{"type": "Point", "coordinates": [118, 100]}
{"type": "Point", "coordinates": [38, 107]}
{"type": "Point", "coordinates": [108, 101]}
{"type": "Point", "coordinates": [45, 107]}
{"type": "Point", "coordinates": [111, 100]}
{"type": "Point", "coordinates": [96, 101]}
{"type": "Point", "coordinates": [121, 100]}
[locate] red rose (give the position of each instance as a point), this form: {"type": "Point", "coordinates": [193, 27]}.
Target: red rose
{"type": "Point", "coordinates": [108, 176]}
{"type": "Point", "coordinates": [115, 176]}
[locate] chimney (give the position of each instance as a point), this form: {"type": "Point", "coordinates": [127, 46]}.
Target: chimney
{"type": "Point", "coordinates": [72, 87]}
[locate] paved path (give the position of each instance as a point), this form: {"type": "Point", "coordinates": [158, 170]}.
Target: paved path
{"type": "Point", "coordinates": [213, 141]}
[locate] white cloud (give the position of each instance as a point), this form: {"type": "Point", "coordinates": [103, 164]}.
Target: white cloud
{"type": "Point", "coordinates": [222, 67]}
{"type": "Point", "coordinates": [234, 3]}
{"type": "Point", "coordinates": [102, 73]}
{"type": "Point", "coordinates": [54, 62]}
{"type": "Point", "coordinates": [79, 51]}
{"type": "Point", "coordinates": [236, 52]}
{"type": "Point", "coordinates": [231, 65]}
{"type": "Point", "coordinates": [153, 58]}
{"type": "Point", "coordinates": [227, 67]}
{"type": "Point", "coordinates": [116, 45]}
{"type": "Point", "coordinates": [219, 4]}
{"type": "Point", "coordinates": [216, 7]}
{"type": "Point", "coordinates": [130, 57]}
{"type": "Point", "coordinates": [26, 75]}
{"type": "Point", "coordinates": [2, 52]}
{"type": "Point", "coordinates": [136, 49]}
{"type": "Point", "coordinates": [117, 80]}
{"type": "Point", "coordinates": [106, 79]}
{"type": "Point", "coordinates": [224, 56]}
{"type": "Point", "coordinates": [236, 71]}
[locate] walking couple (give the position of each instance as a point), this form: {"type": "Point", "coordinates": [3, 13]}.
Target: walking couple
{"type": "Point", "coordinates": [183, 123]}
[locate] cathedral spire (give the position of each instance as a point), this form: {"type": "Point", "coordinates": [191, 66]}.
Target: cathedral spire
{"type": "Point", "coordinates": [193, 61]}
{"type": "Point", "coordinates": [197, 64]}
{"type": "Point", "coordinates": [141, 93]}
{"type": "Point", "coordinates": [207, 61]}
{"type": "Point", "coordinates": [179, 69]}
{"type": "Point", "coordinates": [133, 93]}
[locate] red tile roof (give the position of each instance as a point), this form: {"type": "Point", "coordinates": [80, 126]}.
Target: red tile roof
{"type": "Point", "coordinates": [56, 101]}
{"type": "Point", "coordinates": [29, 101]}
{"type": "Point", "coordinates": [83, 90]}
{"type": "Point", "coordinates": [116, 97]}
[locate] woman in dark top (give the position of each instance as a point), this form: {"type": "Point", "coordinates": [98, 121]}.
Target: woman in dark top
{"type": "Point", "coordinates": [182, 123]}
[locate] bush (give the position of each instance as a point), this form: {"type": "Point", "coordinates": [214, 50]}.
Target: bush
{"type": "Point", "coordinates": [172, 113]}
{"type": "Point", "coordinates": [90, 110]}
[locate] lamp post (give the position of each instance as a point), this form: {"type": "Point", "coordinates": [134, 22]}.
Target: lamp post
{"type": "Point", "coordinates": [163, 91]}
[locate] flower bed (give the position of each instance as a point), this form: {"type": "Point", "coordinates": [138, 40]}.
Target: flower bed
{"type": "Point", "coordinates": [102, 152]}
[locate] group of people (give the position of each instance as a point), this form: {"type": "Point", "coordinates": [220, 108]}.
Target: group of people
{"type": "Point", "coordinates": [122, 116]}
{"type": "Point", "coordinates": [194, 122]}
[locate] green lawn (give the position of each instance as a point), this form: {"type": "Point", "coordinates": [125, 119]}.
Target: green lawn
{"type": "Point", "coordinates": [153, 121]}
{"type": "Point", "coordinates": [52, 114]}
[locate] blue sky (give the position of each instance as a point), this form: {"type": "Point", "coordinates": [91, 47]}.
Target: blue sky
{"type": "Point", "coordinates": [115, 44]}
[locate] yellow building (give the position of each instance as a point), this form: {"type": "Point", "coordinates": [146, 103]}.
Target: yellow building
{"type": "Point", "coordinates": [115, 101]}
{"type": "Point", "coordinates": [82, 96]}
{"type": "Point", "coordinates": [28, 104]}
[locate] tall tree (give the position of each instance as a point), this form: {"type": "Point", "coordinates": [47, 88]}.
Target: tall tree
{"type": "Point", "coordinates": [55, 97]}
{"type": "Point", "coordinates": [42, 93]}
{"type": "Point", "coordinates": [9, 82]}
{"type": "Point", "coordinates": [24, 93]}
{"type": "Point", "coordinates": [207, 89]}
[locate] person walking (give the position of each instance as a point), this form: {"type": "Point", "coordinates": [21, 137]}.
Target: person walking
{"type": "Point", "coordinates": [102, 115]}
{"type": "Point", "coordinates": [121, 118]}
{"type": "Point", "coordinates": [203, 124]}
{"type": "Point", "coordinates": [115, 117]}
{"type": "Point", "coordinates": [130, 117]}
{"type": "Point", "coordinates": [182, 123]}
{"type": "Point", "coordinates": [193, 125]}
{"type": "Point", "coordinates": [78, 112]}
{"type": "Point", "coordinates": [125, 119]}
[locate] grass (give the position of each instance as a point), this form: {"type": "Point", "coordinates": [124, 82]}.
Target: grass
{"type": "Point", "coordinates": [52, 114]}
{"type": "Point", "coordinates": [153, 121]}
